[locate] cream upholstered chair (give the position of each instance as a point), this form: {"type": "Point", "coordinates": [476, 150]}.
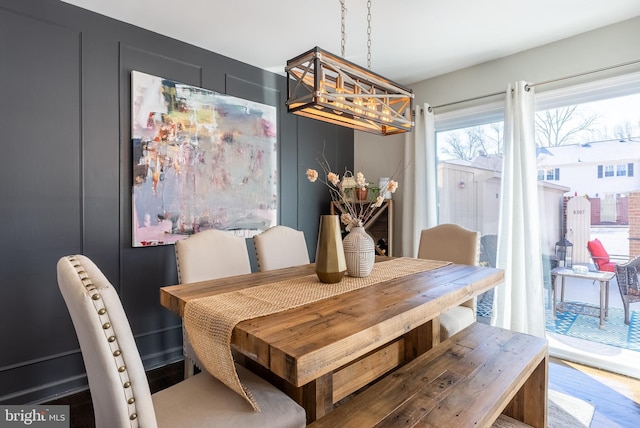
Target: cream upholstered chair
{"type": "Point", "coordinates": [279, 247]}
{"type": "Point", "coordinates": [455, 244]}
{"type": "Point", "coordinates": [211, 254]}
{"type": "Point", "coordinates": [117, 379]}
{"type": "Point", "coordinates": [208, 255]}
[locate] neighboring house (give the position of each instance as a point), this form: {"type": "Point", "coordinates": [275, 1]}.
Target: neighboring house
{"type": "Point", "coordinates": [606, 172]}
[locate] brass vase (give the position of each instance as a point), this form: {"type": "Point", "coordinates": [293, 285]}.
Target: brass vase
{"type": "Point", "coordinates": [330, 261]}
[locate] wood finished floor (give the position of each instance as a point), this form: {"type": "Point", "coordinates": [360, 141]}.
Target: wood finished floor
{"type": "Point", "coordinates": [616, 398]}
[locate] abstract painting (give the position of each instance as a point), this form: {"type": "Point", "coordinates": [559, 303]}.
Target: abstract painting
{"type": "Point", "coordinates": [201, 160]}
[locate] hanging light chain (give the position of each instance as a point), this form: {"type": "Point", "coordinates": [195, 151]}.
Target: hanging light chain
{"type": "Point", "coordinates": [343, 34]}
{"type": "Point", "coordinates": [369, 34]}
{"type": "Point", "coordinates": [343, 11]}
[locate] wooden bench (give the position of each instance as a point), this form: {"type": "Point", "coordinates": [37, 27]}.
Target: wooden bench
{"type": "Point", "coordinates": [469, 380]}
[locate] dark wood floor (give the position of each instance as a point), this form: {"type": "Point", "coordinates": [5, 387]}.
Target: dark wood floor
{"type": "Point", "coordinates": [616, 398]}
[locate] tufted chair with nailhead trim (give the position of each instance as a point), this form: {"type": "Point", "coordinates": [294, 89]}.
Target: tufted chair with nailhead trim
{"type": "Point", "coordinates": [117, 379]}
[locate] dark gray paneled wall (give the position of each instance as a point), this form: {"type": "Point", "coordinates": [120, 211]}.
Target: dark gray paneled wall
{"type": "Point", "coordinates": [66, 179]}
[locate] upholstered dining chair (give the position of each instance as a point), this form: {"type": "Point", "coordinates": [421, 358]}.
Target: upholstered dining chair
{"type": "Point", "coordinates": [208, 255]}
{"type": "Point", "coordinates": [279, 247]}
{"type": "Point", "coordinates": [455, 244]}
{"type": "Point", "coordinates": [117, 379]}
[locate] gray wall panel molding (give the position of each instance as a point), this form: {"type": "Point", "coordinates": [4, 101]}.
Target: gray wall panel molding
{"type": "Point", "coordinates": [66, 140]}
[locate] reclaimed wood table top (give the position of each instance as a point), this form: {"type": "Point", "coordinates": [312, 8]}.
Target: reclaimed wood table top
{"type": "Point", "coordinates": [302, 344]}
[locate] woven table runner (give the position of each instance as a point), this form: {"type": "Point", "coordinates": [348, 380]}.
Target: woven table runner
{"type": "Point", "coordinates": [209, 321]}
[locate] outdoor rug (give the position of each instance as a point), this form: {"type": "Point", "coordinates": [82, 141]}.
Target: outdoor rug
{"type": "Point", "coordinates": [563, 411]}
{"type": "Point", "coordinates": [615, 331]}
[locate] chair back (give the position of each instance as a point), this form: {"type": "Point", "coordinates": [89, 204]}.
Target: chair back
{"type": "Point", "coordinates": [600, 256]}
{"type": "Point", "coordinates": [628, 278]}
{"type": "Point", "coordinates": [117, 380]}
{"type": "Point", "coordinates": [211, 254]}
{"type": "Point", "coordinates": [451, 243]}
{"type": "Point", "coordinates": [279, 247]}
{"type": "Point", "coordinates": [489, 249]}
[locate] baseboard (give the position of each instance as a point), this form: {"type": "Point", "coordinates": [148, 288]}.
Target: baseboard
{"type": "Point", "coordinates": [74, 384]}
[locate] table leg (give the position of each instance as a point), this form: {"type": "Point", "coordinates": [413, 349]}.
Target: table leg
{"type": "Point", "coordinates": [562, 291]}
{"type": "Point", "coordinates": [317, 397]}
{"type": "Point", "coordinates": [606, 306]}
{"type": "Point", "coordinates": [555, 291]}
{"type": "Point", "coordinates": [421, 339]}
{"type": "Point", "coordinates": [602, 307]}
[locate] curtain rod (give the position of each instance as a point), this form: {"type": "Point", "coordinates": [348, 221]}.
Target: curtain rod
{"type": "Point", "coordinates": [468, 99]}
{"type": "Point", "coordinates": [533, 85]}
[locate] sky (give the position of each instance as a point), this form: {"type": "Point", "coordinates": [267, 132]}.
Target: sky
{"type": "Point", "coordinates": [611, 113]}
{"type": "Point", "coordinates": [615, 111]}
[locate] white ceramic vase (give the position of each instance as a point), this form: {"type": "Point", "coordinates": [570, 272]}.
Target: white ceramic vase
{"type": "Point", "coordinates": [359, 252]}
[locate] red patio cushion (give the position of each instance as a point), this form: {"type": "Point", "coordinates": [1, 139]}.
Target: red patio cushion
{"type": "Point", "coordinates": [599, 254]}
{"type": "Point", "coordinates": [609, 267]}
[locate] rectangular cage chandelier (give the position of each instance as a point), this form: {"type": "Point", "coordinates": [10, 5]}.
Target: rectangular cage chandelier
{"type": "Point", "coordinates": [324, 86]}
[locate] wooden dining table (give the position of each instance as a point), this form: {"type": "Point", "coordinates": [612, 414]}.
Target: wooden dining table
{"type": "Point", "coordinates": [321, 352]}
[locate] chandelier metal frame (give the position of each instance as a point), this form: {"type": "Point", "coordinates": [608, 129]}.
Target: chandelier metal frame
{"type": "Point", "coordinates": [327, 87]}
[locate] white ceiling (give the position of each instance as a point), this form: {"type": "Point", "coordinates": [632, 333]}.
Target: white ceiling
{"type": "Point", "coordinates": [411, 39]}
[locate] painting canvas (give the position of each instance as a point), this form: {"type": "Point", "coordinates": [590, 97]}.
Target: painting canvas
{"type": "Point", "coordinates": [201, 160]}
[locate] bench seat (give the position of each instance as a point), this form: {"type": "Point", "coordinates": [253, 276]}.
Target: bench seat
{"type": "Point", "coordinates": [468, 380]}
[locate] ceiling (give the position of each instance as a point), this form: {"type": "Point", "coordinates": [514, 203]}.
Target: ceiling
{"type": "Point", "coordinates": [411, 39]}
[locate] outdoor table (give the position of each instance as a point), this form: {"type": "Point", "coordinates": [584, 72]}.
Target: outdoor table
{"type": "Point", "coordinates": [602, 277]}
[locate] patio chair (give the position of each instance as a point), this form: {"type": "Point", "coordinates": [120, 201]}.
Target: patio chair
{"type": "Point", "coordinates": [488, 250]}
{"type": "Point", "coordinates": [628, 283]}
{"type": "Point", "coordinates": [601, 258]}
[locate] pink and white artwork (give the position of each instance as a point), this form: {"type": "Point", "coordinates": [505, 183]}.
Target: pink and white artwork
{"type": "Point", "coordinates": [201, 160]}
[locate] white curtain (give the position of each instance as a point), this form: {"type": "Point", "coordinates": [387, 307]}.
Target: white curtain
{"type": "Point", "coordinates": [419, 182]}
{"type": "Point", "coordinates": [519, 302]}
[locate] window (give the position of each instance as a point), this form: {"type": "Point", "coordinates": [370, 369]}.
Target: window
{"type": "Point", "coordinates": [608, 170]}
{"type": "Point", "coordinates": [549, 174]}
{"type": "Point", "coordinates": [591, 131]}
{"type": "Point", "coordinates": [469, 171]}
{"type": "Point", "coordinates": [619, 170]}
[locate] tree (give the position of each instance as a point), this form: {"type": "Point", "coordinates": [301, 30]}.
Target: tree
{"type": "Point", "coordinates": [476, 140]}
{"type": "Point", "coordinates": [496, 138]}
{"type": "Point", "coordinates": [557, 127]}
{"type": "Point", "coordinates": [624, 131]}
{"type": "Point", "coordinates": [458, 149]}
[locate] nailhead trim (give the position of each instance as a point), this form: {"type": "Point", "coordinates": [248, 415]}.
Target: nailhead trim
{"type": "Point", "coordinates": [107, 327]}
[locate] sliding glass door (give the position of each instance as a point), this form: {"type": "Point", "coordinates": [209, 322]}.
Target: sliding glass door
{"type": "Point", "coordinates": [588, 153]}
